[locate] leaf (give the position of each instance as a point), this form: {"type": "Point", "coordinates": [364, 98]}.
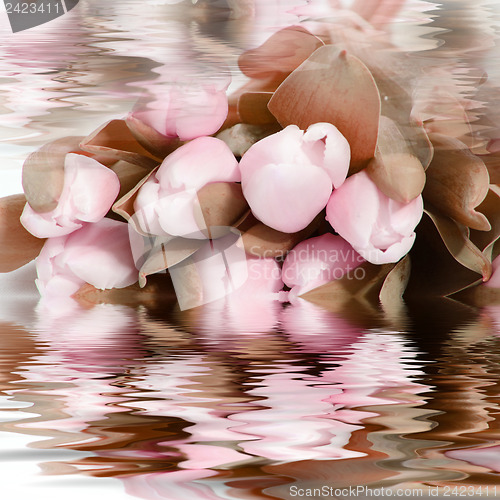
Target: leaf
{"type": "Point", "coordinates": [456, 238]}
{"type": "Point", "coordinates": [395, 283]}
{"type": "Point", "coordinates": [114, 139]}
{"type": "Point", "coordinates": [43, 173]}
{"type": "Point", "coordinates": [363, 283]}
{"type": "Point", "coordinates": [129, 176]}
{"type": "Point", "coordinates": [17, 246]}
{"type": "Point", "coordinates": [395, 170]}
{"type": "Point", "coordinates": [158, 145]}
{"type": "Point", "coordinates": [252, 108]}
{"type": "Point", "coordinates": [167, 252]}
{"type": "Point", "coordinates": [280, 54]}
{"type": "Point", "coordinates": [490, 207]}
{"type": "Point", "coordinates": [335, 87]}
{"type": "Point", "coordinates": [263, 241]}
{"type": "Point", "coordinates": [241, 136]}
{"type": "Point", "coordinates": [220, 205]}
{"type": "Point", "coordinates": [457, 182]}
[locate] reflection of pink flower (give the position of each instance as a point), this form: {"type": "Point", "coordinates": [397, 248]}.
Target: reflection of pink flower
{"type": "Point", "coordinates": [185, 111]}
{"type": "Point", "coordinates": [317, 261]}
{"type": "Point", "coordinates": [380, 229]}
{"type": "Point", "coordinates": [488, 457]}
{"type": "Point", "coordinates": [88, 193]}
{"type": "Point", "coordinates": [165, 203]}
{"type": "Point", "coordinates": [98, 254]}
{"type": "Point", "coordinates": [287, 177]}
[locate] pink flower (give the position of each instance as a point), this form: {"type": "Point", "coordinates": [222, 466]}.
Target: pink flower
{"type": "Point", "coordinates": [317, 261]}
{"type": "Point", "coordinates": [185, 111]}
{"type": "Point", "coordinates": [380, 229]}
{"type": "Point", "coordinates": [165, 204]}
{"type": "Point", "coordinates": [287, 177]}
{"type": "Point", "coordinates": [89, 191]}
{"type": "Point", "coordinates": [494, 281]}
{"type": "Point", "coordinates": [98, 254]}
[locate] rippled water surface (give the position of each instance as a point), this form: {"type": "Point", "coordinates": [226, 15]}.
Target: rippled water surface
{"type": "Point", "coordinates": [137, 399]}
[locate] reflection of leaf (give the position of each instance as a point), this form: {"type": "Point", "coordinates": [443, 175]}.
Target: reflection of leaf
{"type": "Point", "coordinates": [456, 238]}
{"type": "Point", "coordinates": [43, 173]}
{"type": "Point", "coordinates": [364, 282]}
{"type": "Point", "coordinates": [457, 182]}
{"type": "Point", "coordinates": [335, 87]}
{"type": "Point", "coordinates": [166, 253]}
{"type": "Point", "coordinates": [115, 140]}
{"type": "Point", "coordinates": [17, 246]}
{"type": "Point", "coordinates": [396, 171]}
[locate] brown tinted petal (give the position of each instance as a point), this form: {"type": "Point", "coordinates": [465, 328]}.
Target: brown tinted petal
{"type": "Point", "coordinates": [396, 171]}
{"type": "Point", "coordinates": [335, 87]}
{"type": "Point", "coordinates": [252, 108]}
{"type": "Point", "coordinates": [220, 205]}
{"type": "Point", "coordinates": [17, 246]}
{"type": "Point", "coordinates": [457, 182]}
{"type": "Point", "coordinates": [43, 173]}
{"type": "Point", "coordinates": [114, 139]}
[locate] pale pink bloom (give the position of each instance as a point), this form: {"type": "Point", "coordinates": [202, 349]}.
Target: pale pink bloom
{"type": "Point", "coordinates": [166, 202]}
{"type": "Point", "coordinates": [185, 110]}
{"type": "Point", "coordinates": [89, 191]}
{"type": "Point", "coordinates": [287, 177]}
{"type": "Point", "coordinates": [98, 254]}
{"type": "Point", "coordinates": [379, 228]}
{"type": "Point", "coordinates": [487, 457]}
{"type": "Point", "coordinates": [316, 261]}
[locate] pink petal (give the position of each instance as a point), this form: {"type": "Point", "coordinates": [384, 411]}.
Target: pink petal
{"type": "Point", "coordinates": [197, 163]}
{"type": "Point", "coordinates": [392, 254]}
{"type": "Point", "coordinates": [44, 225]}
{"type": "Point", "coordinates": [175, 214]}
{"type": "Point", "coordinates": [100, 254]}
{"type": "Point", "coordinates": [287, 197]}
{"type": "Point", "coordinates": [337, 152]}
{"type": "Point", "coordinates": [353, 209]}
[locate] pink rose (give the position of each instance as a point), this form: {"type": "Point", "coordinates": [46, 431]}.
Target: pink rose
{"type": "Point", "coordinates": [89, 191]}
{"type": "Point", "coordinates": [165, 203]}
{"type": "Point", "coordinates": [98, 254]}
{"type": "Point", "coordinates": [379, 228]}
{"type": "Point", "coordinates": [317, 261]}
{"type": "Point", "coordinates": [287, 177]}
{"type": "Point", "coordinates": [185, 111]}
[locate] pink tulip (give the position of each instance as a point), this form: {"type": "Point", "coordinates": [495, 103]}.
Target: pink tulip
{"type": "Point", "coordinates": [98, 254]}
{"type": "Point", "coordinates": [494, 281]}
{"type": "Point", "coordinates": [380, 229]}
{"type": "Point", "coordinates": [88, 193]}
{"type": "Point", "coordinates": [317, 261]}
{"type": "Point", "coordinates": [185, 111]}
{"type": "Point", "coordinates": [287, 177]}
{"type": "Point", "coordinates": [165, 203]}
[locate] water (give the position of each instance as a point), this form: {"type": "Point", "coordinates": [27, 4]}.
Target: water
{"type": "Point", "coordinates": [138, 400]}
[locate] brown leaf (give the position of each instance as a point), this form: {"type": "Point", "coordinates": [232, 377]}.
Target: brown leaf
{"type": "Point", "coordinates": [490, 207]}
{"type": "Point", "coordinates": [395, 283]}
{"type": "Point", "coordinates": [396, 171]}
{"type": "Point", "coordinates": [252, 108]}
{"type": "Point", "coordinates": [43, 173]}
{"type": "Point", "coordinates": [280, 54]}
{"type": "Point", "coordinates": [165, 253]}
{"type": "Point", "coordinates": [114, 139]}
{"type": "Point", "coordinates": [17, 246]}
{"type": "Point", "coordinates": [456, 238]}
{"type": "Point", "coordinates": [263, 241]}
{"type": "Point", "coordinates": [363, 283]}
{"type": "Point", "coordinates": [220, 205]}
{"type": "Point", "coordinates": [158, 145]}
{"type": "Point", "coordinates": [457, 182]}
{"type": "Point", "coordinates": [335, 87]}
{"type": "Point", "coordinates": [129, 176]}
{"type": "Point", "coordinates": [241, 136]}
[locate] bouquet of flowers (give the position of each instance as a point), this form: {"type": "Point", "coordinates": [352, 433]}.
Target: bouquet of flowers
{"type": "Point", "coordinates": [325, 176]}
